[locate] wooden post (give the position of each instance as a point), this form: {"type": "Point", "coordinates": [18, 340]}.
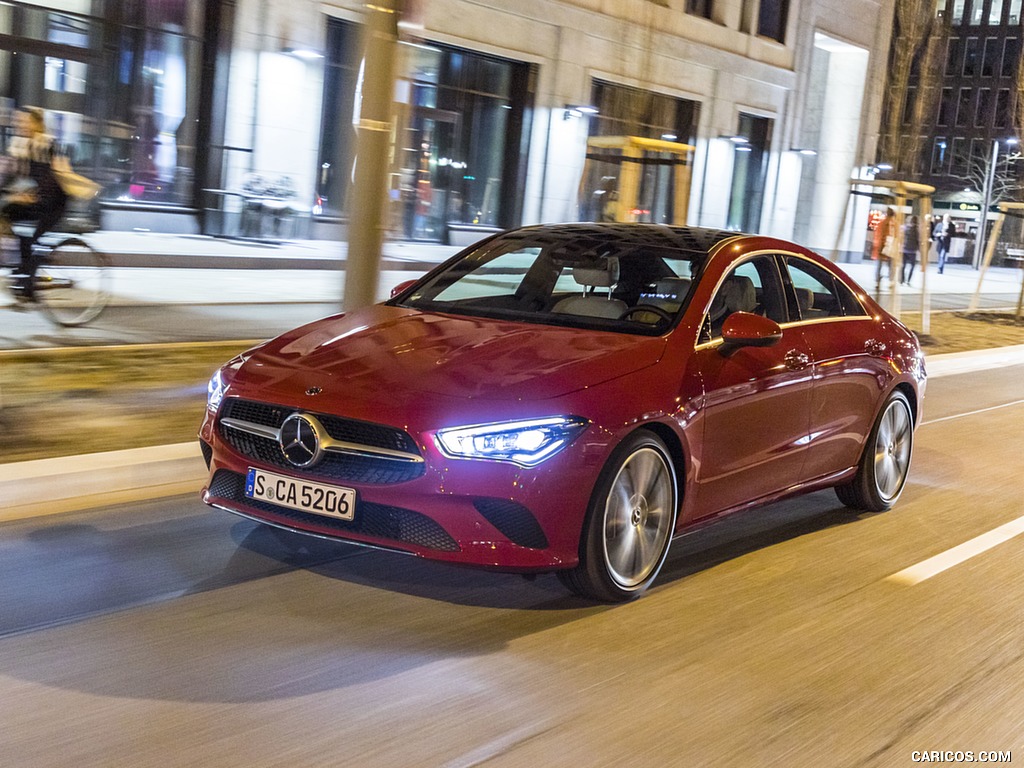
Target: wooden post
{"type": "Point", "coordinates": [368, 195]}
{"type": "Point", "coordinates": [990, 250]}
{"type": "Point", "coordinates": [924, 237]}
{"type": "Point", "coordinates": [629, 182]}
{"type": "Point", "coordinates": [896, 256]}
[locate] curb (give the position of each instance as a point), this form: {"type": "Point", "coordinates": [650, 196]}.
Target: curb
{"type": "Point", "coordinates": [953, 363]}
{"type": "Point", "coordinates": [71, 483]}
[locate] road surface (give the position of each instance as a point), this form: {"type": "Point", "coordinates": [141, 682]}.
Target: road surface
{"type": "Point", "coordinates": [167, 634]}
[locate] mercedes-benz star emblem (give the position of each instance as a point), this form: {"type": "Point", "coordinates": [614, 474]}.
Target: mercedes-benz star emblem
{"type": "Point", "coordinates": [300, 440]}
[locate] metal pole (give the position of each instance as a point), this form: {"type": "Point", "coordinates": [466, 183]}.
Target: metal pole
{"type": "Point", "coordinates": [368, 194]}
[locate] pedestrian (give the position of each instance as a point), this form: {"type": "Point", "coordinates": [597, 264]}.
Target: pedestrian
{"type": "Point", "coordinates": [943, 238]}
{"type": "Point", "coordinates": [32, 192]}
{"type": "Point", "coordinates": [881, 250]}
{"type": "Point", "coordinates": [911, 245]}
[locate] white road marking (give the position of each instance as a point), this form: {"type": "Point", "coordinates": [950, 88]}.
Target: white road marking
{"type": "Point", "coordinates": [498, 746]}
{"type": "Point", "coordinates": [971, 413]}
{"type": "Point", "coordinates": [915, 574]}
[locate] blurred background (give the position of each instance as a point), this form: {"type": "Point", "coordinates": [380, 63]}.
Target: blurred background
{"type": "Point", "coordinates": [237, 117]}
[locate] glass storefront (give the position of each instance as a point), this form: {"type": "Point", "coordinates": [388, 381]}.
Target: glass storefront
{"type": "Point", "coordinates": [748, 173]}
{"type": "Point", "coordinates": [460, 151]}
{"type": "Point", "coordinates": [630, 115]}
{"type": "Point", "coordinates": [119, 81]}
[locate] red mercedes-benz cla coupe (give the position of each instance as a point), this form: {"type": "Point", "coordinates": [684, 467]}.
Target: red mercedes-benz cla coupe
{"type": "Point", "coordinates": [570, 398]}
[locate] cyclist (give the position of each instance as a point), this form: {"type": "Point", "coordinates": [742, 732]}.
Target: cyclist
{"type": "Point", "coordinates": [32, 191]}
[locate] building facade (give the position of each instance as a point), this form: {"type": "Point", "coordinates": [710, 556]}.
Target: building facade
{"type": "Point", "coordinates": [506, 113]}
{"type": "Point", "coordinates": [120, 83]}
{"type": "Point", "coordinates": [969, 131]}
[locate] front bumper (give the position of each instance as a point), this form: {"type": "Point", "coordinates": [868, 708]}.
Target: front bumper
{"type": "Point", "coordinates": [474, 512]}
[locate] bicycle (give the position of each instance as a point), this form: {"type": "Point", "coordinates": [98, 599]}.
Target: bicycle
{"type": "Point", "coordinates": [72, 284]}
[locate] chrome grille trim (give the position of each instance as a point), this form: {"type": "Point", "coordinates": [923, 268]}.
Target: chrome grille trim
{"type": "Point", "coordinates": [253, 429]}
{"type": "Point", "coordinates": [328, 443]}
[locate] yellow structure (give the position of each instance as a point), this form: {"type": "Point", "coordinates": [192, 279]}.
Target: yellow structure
{"type": "Point", "coordinates": [614, 173]}
{"type": "Point", "coordinates": [902, 192]}
{"type": "Point", "coordinates": [997, 228]}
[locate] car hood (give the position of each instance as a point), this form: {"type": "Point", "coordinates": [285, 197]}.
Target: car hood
{"type": "Point", "coordinates": [385, 352]}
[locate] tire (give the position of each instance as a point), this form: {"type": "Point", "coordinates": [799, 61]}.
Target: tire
{"type": "Point", "coordinates": [73, 283]}
{"type": "Point", "coordinates": [629, 522]}
{"type": "Point", "coordinates": [885, 463]}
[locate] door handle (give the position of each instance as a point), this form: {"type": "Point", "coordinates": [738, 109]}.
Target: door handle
{"type": "Point", "coordinates": [875, 348]}
{"type": "Point", "coordinates": [796, 360]}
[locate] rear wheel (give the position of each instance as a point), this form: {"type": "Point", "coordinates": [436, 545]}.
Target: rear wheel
{"type": "Point", "coordinates": [73, 283]}
{"type": "Point", "coordinates": [885, 463]}
{"type": "Point", "coordinates": [629, 523]}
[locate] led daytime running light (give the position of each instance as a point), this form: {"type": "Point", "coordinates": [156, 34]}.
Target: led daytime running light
{"type": "Point", "coordinates": [526, 443]}
{"type": "Point", "coordinates": [215, 391]}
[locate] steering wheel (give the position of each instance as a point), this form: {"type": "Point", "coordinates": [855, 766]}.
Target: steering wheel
{"type": "Point", "coordinates": [661, 313]}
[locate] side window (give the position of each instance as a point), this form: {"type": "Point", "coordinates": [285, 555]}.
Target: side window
{"type": "Point", "coordinates": [753, 286]}
{"type": "Point", "coordinates": [818, 294]}
{"type": "Point", "coordinates": [851, 304]}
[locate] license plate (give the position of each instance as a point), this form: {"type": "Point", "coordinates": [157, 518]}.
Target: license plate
{"type": "Point", "coordinates": [304, 496]}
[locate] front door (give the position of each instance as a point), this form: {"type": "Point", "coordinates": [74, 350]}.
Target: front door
{"type": "Point", "coordinates": [756, 399]}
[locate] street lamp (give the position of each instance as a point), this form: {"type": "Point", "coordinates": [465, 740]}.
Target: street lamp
{"type": "Point", "coordinates": [986, 199]}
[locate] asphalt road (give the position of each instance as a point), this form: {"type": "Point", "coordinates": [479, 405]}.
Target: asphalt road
{"type": "Point", "coordinates": [167, 634]}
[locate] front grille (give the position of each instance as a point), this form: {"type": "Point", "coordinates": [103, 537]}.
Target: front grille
{"type": "Point", "coordinates": [514, 521]}
{"type": "Point", "coordinates": [334, 466]}
{"type": "Point", "coordinates": [350, 430]}
{"type": "Point", "coordinates": [379, 521]}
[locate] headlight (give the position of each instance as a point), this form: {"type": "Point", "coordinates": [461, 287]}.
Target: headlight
{"type": "Point", "coordinates": [215, 391]}
{"type": "Point", "coordinates": [526, 443]}
{"type": "Point", "coordinates": [221, 380]}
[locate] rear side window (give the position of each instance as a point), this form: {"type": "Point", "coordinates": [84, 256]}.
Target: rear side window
{"type": "Point", "coordinates": [817, 294]}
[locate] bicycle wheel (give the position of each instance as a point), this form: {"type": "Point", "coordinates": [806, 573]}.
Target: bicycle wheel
{"type": "Point", "coordinates": [73, 282]}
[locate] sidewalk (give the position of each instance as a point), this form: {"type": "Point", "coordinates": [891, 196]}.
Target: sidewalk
{"type": "Point", "coordinates": [190, 252]}
{"type": "Point", "coordinates": [158, 268]}
{"type": "Point", "coordinates": [155, 249]}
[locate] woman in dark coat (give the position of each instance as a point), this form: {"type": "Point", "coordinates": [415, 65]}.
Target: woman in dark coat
{"type": "Point", "coordinates": [911, 245]}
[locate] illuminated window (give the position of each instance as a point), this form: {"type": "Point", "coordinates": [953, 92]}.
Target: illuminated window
{"type": "Point", "coordinates": [940, 156]}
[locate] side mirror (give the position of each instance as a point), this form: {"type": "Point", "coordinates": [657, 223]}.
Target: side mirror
{"type": "Point", "coordinates": [743, 329]}
{"type": "Point", "coordinates": [402, 287]}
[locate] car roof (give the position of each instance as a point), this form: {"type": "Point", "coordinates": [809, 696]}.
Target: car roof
{"type": "Point", "coordinates": [697, 240]}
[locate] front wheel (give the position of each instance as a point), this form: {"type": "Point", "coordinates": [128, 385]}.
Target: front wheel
{"type": "Point", "coordinates": [73, 283]}
{"type": "Point", "coordinates": [629, 523]}
{"type": "Point", "coordinates": [885, 463]}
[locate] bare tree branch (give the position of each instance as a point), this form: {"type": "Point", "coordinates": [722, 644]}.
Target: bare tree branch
{"type": "Point", "coordinates": [922, 36]}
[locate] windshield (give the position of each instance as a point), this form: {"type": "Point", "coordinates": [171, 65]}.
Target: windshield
{"type": "Point", "coordinates": [590, 281]}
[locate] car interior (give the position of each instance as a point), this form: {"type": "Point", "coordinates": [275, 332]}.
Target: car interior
{"type": "Point", "coordinates": [590, 303]}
